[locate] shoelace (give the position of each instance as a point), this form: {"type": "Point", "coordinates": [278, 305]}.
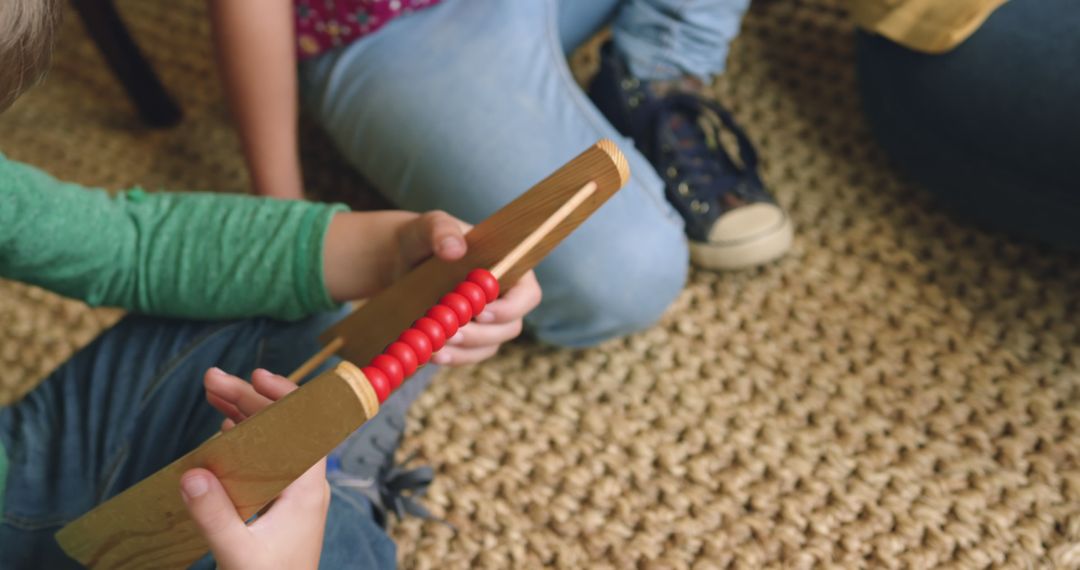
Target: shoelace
{"type": "Point", "coordinates": [690, 154]}
{"type": "Point", "coordinates": [395, 489]}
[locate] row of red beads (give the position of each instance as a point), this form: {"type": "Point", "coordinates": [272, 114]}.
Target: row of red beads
{"type": "Point", "coordinates": [429, 333]}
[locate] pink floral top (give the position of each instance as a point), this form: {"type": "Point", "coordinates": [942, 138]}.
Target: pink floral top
{"type": "Point", "coordinates": [322, 25]}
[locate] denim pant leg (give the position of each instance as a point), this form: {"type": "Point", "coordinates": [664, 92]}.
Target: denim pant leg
{"type": "Point", "coordinates": [660, 39]}
{"type": "Point", "coordinates": [663, 39]}
{"type": "Point", "coordinates": [125, 406]}
{"type": "Point", "coordinates": [992, 127]}
{"type": "Point", "coordinates": [465, 105]}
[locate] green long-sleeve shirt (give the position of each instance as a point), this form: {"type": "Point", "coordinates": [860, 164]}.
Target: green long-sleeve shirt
{"type": "Point", "coordinates": [211, 256]}
{"type": "Point", "coordinates": [173, 254]}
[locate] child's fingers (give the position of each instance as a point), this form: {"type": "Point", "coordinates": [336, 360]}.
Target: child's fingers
{"type": "Point", "coordinates": [227, 424]}
{"type": "Point", "coordinates": [499, 322]}
{"type": "Point", "coordinates": [215, 515]}
{"type": "Point", "coordinates": [523, 297]}
{"type": "Point", "coordinates": [234, 391]}
{"type": "Point", "coordinates": [226, 408]}
{"type": "Point", "coordinates": [221, 392]}
{"type": "Point", "coordinates": [477, 335]}
{"type": "Point", "coordinates": [309, 486]}
{"type": "Point", "coordinates": [451, 356]}
{"type": "Point", "coordinates": [272, 386]}
{"type": "Point", "coordinates": [435, 233]}
{"type": "Point", "coordinates": [297, 518]}
{"type": "Point", "coordinates": [446, 235]}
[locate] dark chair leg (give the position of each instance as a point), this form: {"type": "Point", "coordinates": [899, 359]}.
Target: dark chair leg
{"type": "Point", "coordinates": [106, 28]}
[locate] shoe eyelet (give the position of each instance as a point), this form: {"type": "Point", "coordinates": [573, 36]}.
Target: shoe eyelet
{"type": "Point", "coordinates": [672, 172]}
{"type": "Point", "coordinates": [699, 207]}
{"type": "Point", "coordinates": [630, 83]}
{"type": "Point", "coordinates": [684, 190]}
{"type": "Point", "coordinates": [635, 100]}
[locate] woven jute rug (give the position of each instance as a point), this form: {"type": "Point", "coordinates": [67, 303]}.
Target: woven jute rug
{"type": "Point", "coordinates": [902, 390]}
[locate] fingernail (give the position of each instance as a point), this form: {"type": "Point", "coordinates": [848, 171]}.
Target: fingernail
{"type": "Point", "coordinates": [440, 358]}
{"type": "Point", "coordinates": [456, 339]}
{"type": "Point", "coordinates": [193, 487]}
{"type": "Point", "coordinates": [485, 316]}
{"type": "Point", "coordinates": [451, 245]}
{"type": "Point", "coordinates": [215, 371]}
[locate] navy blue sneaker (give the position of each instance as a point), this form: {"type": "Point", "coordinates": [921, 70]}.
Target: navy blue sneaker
{"type": "Point", "coordinates": [732, 222]}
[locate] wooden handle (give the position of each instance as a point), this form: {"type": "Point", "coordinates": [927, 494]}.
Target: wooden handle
{"type": "Point", "coordinates": [147, 526]}
{"type": "Point", "coordinates": [312, 363]}
{"type": "Point", "coordinates": [511, 242]}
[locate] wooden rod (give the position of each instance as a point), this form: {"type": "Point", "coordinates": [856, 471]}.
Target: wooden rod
{"type": "Point", "coordinates": [147, 525]}
{"type": "Point", "coordinates": [559, 216]}
{"type": "Point", "coordinates": [314, 362]}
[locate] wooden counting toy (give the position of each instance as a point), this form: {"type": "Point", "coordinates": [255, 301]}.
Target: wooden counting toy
{"type": "Point", "coordinates": [392, 335]}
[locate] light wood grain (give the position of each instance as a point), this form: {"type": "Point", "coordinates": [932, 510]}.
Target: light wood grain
{"type": "Point", "coordinates": [315, 361]}
{"type": "Point", "coordinates": [369, 329]}
{"type": "Point", "coordinates": [147, 526]}
{"type": "Point", "coordinates": [527, 245]}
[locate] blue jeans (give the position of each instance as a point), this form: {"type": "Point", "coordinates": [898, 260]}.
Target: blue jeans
{"type": "Point", "coordinates": [463, 106]}
{"type": "Point", "coordinates": [130, 403]}
{"type": "Point", "coordinates": [991, 128]}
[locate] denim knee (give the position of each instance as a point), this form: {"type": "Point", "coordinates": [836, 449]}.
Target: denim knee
{"type": "Point", "coordinates": [598, 289]}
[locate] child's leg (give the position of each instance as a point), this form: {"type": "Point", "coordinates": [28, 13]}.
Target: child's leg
{"type": "Point", "coordinates": [123, 407]}
{"type": "Point", "coordinates": [465, 105]}
{"type": "Point", "coordinates": [663, 39]}
{"type": "Point", "coordinates": [989, 127]}
{"type": "Point", "coordinates": [579, 21]}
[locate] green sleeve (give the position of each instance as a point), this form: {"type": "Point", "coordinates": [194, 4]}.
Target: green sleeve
{"type": "Point", "coordinates": [194, 255]}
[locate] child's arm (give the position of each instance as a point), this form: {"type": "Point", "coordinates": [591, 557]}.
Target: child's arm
{"type": "Point", "coordinates": [209, 256]}
{"type": "Point", "coordinates": [217, 256]}
{"type": "Point", "coordinates": [256, 54]}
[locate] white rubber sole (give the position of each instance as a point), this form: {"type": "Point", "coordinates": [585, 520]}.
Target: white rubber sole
{"type": "Point", "coordinates": [750, 236]}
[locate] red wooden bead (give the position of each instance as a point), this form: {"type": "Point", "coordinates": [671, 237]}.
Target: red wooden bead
{"type": "Point", "coordinates": [446, 317]}
{"type": "Point", "coordinates": [473, 294]}
{"type": "Point", "coordinates": [420, 344]}
{"type": "Point", "coordinates": [431, 328]}
{"type": "Point", "coordinates": [390, 366]}
{"type": "Point", "coordinates": [379, 382]}
{"type": "Point", "coordinates": [486, 281]}
{"type": "Point", "coordinates": [460, 305]}
{"type": "Point", "coordinates": [405, 355]}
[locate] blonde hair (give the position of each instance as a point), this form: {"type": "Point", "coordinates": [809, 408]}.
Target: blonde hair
{"type": "Point", "coordinates": [26, 40]}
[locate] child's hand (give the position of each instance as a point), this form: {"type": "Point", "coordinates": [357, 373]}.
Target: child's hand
{"type": "Point", "coordinates": [290, 533]}
{"type": "Point", "coordinates": [434, 233]}
{"type": "Point", "coordinates": [365, 252]}
{"type": "Point", "coordinates": [442, 235]}
{"type": "Point", "coordinates": [499, 322]}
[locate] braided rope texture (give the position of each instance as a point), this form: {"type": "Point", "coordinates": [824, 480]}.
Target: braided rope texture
{"type": "Point", "coordinates": [901, 391]}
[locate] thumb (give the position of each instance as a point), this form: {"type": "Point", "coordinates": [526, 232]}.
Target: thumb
{"type": "Point", "coordinates": [436, 233]}
{"type": "Point", "coordinates": [215, 515]}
